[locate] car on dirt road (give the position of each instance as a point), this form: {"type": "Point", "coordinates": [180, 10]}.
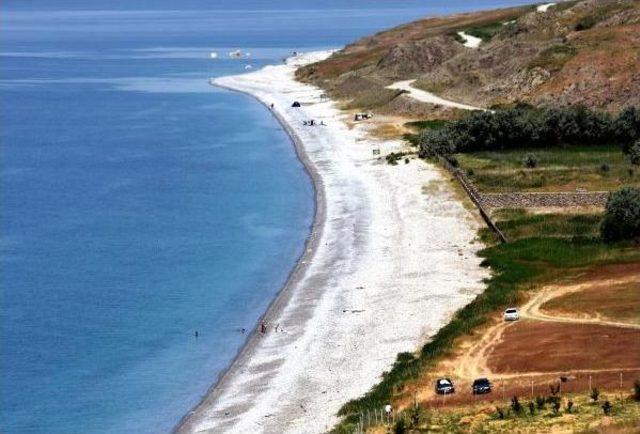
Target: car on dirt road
{"type": "Point", "coordinates": [444, 386]}
{"type": "Point", "coordinates": [511, 314]}
{"type": "Point", "coordinates": [481, 386]}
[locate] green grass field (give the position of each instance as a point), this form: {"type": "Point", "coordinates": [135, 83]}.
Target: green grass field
{"type": "Point", "coordinates": [593, 168]}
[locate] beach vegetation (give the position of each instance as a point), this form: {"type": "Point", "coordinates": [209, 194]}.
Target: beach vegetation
{"type": "Point", "coordinates": [393, 157]}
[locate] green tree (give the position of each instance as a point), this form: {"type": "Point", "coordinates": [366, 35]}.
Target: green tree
{"type": "Point", "coordinates": [634, 153]}
{"type": "Point", "coordinates": [622, 215]}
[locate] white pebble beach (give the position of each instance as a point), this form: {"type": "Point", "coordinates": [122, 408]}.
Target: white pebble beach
{"type": "Point", "coordinates": [391, 256]}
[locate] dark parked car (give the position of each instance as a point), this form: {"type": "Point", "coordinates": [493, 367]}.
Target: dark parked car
{"type": "Point", "coordinates": [481, 385]}
{"type": "Point", "coordinates": [444, 386]}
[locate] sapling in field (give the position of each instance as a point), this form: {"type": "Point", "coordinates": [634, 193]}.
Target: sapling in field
{"type": "Point", "coordinates": [515, 405]}
{"type": "Point", "coordinates": [569, 406]}
{"type": "Point", "coordinates": [595, 394]}
{"type": "Point", "coordinates": [606, 407]}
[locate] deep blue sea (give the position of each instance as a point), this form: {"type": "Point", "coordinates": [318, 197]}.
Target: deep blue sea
{"type": "Point", "coordinates": [139, 204]}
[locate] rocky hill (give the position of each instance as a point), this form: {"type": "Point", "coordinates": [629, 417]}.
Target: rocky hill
{"type": "Point", "coordinates": [578, 52]}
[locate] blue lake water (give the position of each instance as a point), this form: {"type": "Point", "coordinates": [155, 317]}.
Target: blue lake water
{"type": "Point", "coordinates": [139, 204]}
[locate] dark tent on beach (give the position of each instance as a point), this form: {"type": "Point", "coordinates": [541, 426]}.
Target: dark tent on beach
{"type": "Point", "coordinates": [295, 104]}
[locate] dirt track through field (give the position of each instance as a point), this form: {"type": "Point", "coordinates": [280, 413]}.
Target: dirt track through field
{"type": "Point", "coordinates": [473, 363]}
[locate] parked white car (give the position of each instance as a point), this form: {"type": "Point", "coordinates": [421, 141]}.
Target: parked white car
{"type": "Point", "coordinates": [511, 314]}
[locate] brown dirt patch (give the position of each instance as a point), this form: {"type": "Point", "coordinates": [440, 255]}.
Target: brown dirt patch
{"type": "Point", "coordinates": [531, 346]}
{"type": "Point", "coordinates": [615, 302]}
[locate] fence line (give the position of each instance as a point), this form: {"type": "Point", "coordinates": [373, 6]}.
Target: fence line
{"type": "Point", "coordinates": [475, 197]}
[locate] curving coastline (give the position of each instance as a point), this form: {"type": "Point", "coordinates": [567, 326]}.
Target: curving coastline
{"type": "Point", "coordinates": [384, 267]}
{"type": "Point", "coordinates": [281, 299]}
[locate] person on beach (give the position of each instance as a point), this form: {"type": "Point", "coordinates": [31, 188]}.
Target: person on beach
{"type": "Point", "coordinates": [271, 106]}
{"type": "Point", "coordinates": [276, 329]}
{"type": "Point", "coordinates": [263, 328]}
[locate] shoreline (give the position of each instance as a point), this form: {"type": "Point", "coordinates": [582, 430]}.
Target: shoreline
{"type": "Point", "coordinates": [365, 248]}
{"type": "Point", "coordinates": [279, 301]}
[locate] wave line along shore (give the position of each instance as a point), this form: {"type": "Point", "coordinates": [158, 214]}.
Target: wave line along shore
{"type": "Point", "coordinates": [387, 263]}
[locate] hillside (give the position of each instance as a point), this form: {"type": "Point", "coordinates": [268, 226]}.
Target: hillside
{"type": "Point", "coordinates": [585, 52]}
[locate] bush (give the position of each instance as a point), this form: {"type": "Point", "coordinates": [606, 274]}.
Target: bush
{"type": "Point", "coordinates": [532, 408]}
{"type": "Point", "coordinates": [540, 402]}
{"type": "Point", "coordinates": [606, 407]}
{"type": "Point", "coordinates": [530, 161]}
{"type": "Point", "coordinates": [595, 394]}
{"type": "Point", "coordinates": [604, 167]}
{"type": "Point", "coordinates": [622, 215]}
{"type": "Point", "coordinates": [636, 390]}
{"type": "Point", "coordinates": [400, 427]}
{"type": "Point", "coordinates": [453, 161]}
{"type": "Point", "coordinates": [500, 412]}
{"type": "Point", "coordinates": [627, 127]}
{"type": "Point", "coordinates": [556, 407]}
{"type": "Point", "coordinates": [634, 153]}
{"type": "Point", "coordinates": [515, 405]}
{"type": "Point", "coordinates": [569, 406]}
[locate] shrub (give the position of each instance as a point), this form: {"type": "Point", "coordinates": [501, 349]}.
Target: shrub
{"type": "Point", "coordinates": [453, 161]}
{"type": "Point", "coordinates": [400, 427]}
{"type": "Point", "coordinates": [634, 153]}
{"type": "Point", "coordinates": [636, 390]}
{"type": "Point", "coordinates": [532, 408]}
{"type": "Point", "coordinates": [500, 412]}
{"type": "Point", "coordinates": [604, 167]}
{"type": "Point", "coordinates": [434, 142]}
{"type": "Point", "coordinates": [515, 405]}
{"type": "Point", "coordinates": [530, 161]}
{"type": "Point", "coordinates": [585, 24]}
{"type": "Point", "coordinates": [569, 406]}
{"type": "Point", "coordinates": [540, 402]}
{"type": "Point", "coordinates": [556, 406]}
{"type": "Point", "coordinates": [622, 215]}
{"type": "Point", "coordinates": [627, 127]}
{"type": "Point", "coordinates": [606, 407]}
{"type": "Point", "coordinates": [595, 394]}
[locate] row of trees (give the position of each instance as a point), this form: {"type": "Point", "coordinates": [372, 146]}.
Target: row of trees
{"type": "Point", "coordinates": [529, 127]}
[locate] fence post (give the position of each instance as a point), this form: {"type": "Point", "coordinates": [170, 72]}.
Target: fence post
{"type": "Point", "coordinates": [532, 388]}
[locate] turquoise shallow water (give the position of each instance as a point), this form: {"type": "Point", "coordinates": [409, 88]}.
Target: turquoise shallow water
{"type": "Point", "coordinates": [139, 204]}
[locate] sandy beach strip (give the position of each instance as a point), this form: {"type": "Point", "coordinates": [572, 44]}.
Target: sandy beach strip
{"type": "Point", "coordinates": [391, 256]}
